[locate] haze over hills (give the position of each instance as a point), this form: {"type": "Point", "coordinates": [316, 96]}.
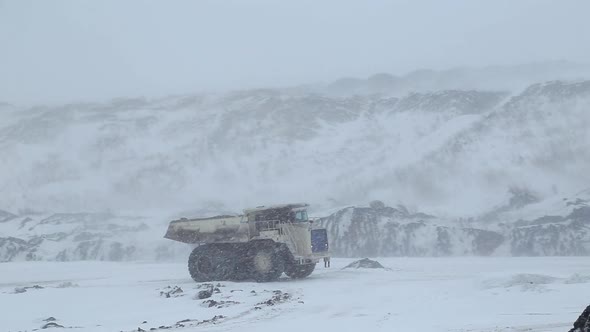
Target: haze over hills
{"type": "Point", "coordinates": [453, 144]}
{"type": "Point", "coordinates": [505, 78]}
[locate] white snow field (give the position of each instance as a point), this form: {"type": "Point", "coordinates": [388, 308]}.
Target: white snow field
{"type": "Point", "coordinates": [413, 294]}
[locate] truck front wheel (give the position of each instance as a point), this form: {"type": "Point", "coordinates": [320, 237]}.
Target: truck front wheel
{"type": "Point", "coordinates": [267, 262]}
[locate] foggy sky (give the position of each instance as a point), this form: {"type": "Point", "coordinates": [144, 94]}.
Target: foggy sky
{"type": "Point", "coordinates": [61, 51]}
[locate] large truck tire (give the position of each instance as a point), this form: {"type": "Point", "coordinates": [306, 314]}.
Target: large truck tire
{"type": "Point", "coordinates": [267, 262]}
{"type": "Point", "coordinates": [299, 271]}
{"type": "Point", "coordinates": [242, 263]}
{"type": "Point", "coordinates": [210, 263]}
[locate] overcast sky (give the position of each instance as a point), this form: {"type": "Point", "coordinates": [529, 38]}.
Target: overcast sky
{"type": "Point", "coordinates": [59, 51]}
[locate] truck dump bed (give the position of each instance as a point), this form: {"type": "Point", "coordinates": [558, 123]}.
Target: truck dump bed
{"type": "Point", "coordinates": [208, 230]}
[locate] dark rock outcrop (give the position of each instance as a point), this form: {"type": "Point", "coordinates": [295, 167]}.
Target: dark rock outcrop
{"type": "Point", "coordinates": [385, 231]}
{"type": "Point", "coordinates": [582, 324]}
{"type": "Point", "coordinates": [552, 235]}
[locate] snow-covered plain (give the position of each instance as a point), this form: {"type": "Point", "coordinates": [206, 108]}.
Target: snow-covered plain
{"type": "Point", "coordinates": [413, 294]}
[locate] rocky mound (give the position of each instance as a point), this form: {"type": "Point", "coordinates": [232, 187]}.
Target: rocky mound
{"type": "Point", "coordinates": [364, 263]}
{"type": "Point", "coordinates": [582, 324]}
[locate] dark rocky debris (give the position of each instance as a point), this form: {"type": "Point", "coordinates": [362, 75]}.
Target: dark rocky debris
{"type": "Point", "coordinates": [169, 292]}
{"type": "Point", "coordinates": [184, 323]}
{"type": "Point", "coordinates": [207, 290]}
{"type": "Point", "coordinates": [218, 304]}
{"type": "Point", "coordinates": [205, 294]}
{"type": "Point", "coordinates": [277, 298]}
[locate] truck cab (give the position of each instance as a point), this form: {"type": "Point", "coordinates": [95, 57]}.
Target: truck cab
{"type": "Point", "coordinates": [289, 224]}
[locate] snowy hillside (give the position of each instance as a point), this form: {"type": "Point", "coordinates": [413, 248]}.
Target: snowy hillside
{"type": "Point", "coordinates": [386, 231]}
{"type": "Point", "coordinates": [85, 236]}
{"type": "Point", "coordinates": [450, 152]}
{"type": "Point", "coordinates": [76, 171]}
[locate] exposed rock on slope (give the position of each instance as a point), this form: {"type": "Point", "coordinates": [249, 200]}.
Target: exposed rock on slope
{"type": "Point", "coordinates": [552, 235]}
{"type": "Point", "coordinates": [83, 236]}
{"type": "Point", "coordinates": [362, 231]}
{"type": "Point", "coordinates": [546, 227]}
{"type": "Point", "coordinates": [562, 229]}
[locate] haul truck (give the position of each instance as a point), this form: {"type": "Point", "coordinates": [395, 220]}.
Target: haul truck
{"type": "Point", "coordinates": [261, 244]}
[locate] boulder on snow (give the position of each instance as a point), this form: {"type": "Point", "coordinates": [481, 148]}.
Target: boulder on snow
{"type": "Point", "coordinates": [207, 292]}
{"type": "Point", "coordinates": [172, 292]}
{"type": "Point", "coordinates": [364, 263]}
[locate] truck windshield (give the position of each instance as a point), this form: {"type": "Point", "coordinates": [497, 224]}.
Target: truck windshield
{"type": "Point", "coordinates": [300, 216]}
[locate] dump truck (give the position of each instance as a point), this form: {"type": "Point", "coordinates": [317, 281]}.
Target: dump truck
{"type": "Point", "coordinates": [259, 244]}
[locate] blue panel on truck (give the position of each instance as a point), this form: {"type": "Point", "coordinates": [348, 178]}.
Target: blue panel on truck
{"type": "Point", "coordinates": [319, 240]}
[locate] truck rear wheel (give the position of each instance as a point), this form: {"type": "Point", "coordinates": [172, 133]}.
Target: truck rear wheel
{"type": "Point", "coordinates": [267, 262]}
{"type": "Point", "coordinates": [209, 263]}
{"type": "Point", "coordinates": [299, 271]}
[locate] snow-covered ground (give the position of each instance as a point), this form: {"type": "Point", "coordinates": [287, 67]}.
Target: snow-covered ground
{"type": "Point", "coordinates": [413, 294]}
